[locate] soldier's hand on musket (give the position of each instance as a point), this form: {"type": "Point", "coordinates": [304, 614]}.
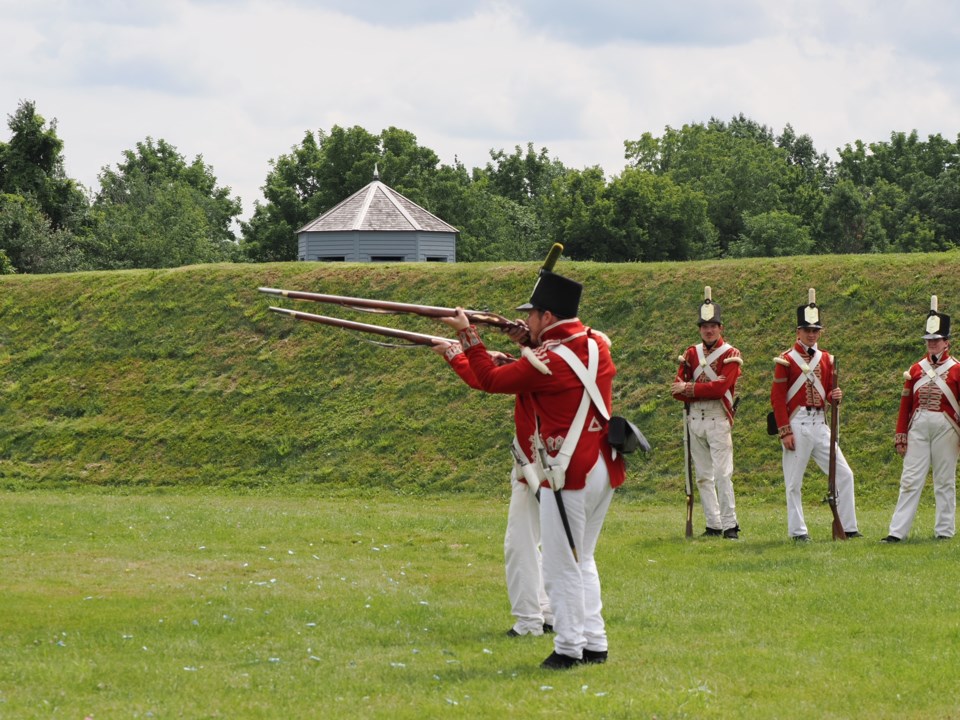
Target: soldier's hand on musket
{"type": "Point", "coordinates": [520, 334]}
{"type": "Point", "coordinates": [679, 387]}
{"type": "Point", "coordinates": [500, 358]}
{"type": "Point", "coordinates": [458, 322]}
{"type": "Point", "coordinates": [837, 394]}
{"type": "Point", "coordinates": [440, 347]}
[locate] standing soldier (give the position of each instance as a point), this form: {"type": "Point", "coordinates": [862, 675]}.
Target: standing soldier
{"type": "Point", "coordinates": [800, 378]}
{"type": "Point", "coordinates": [706, 382]}
{"type": "Point", "coordinates": [569, 376]}
{"type": "Point", "coordinates": [521, 542]}
{"type": "Point", "coordinates": [927, 430]}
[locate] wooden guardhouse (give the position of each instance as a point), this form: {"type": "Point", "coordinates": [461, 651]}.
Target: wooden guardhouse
{"type": "Point", "coordinates": [377, 224]}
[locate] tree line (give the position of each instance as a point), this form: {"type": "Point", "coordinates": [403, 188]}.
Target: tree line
{"type": "Point", "coordinates": [717, 189]}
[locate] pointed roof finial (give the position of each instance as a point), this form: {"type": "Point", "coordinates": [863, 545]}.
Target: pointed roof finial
{"type": "Point", "coordinates": [376, 171]}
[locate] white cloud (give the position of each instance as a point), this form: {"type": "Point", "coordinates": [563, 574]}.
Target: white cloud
{"type": "Point", "coordinates": [240, 82]}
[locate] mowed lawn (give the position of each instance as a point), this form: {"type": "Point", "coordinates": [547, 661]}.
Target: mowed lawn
{"type": "Point", "coordinates": [296, 605]}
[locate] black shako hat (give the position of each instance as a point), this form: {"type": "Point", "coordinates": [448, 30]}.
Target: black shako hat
{"type": "Point", "coordinates": [709, 310]}
{"type": "Point", "coordinates": [937, 326]}
{"type": "Point", "coordinates": [555, 293]}
{"type": "Point", "coordinates": [808, 316]}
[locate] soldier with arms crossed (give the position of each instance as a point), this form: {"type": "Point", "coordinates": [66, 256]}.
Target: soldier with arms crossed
{"type": "Point", "coordinates": [928, 426]}
{"type": "Point", "coordinates": [799, 395]}
{"type": "Point", "coordinates": [706, 381]}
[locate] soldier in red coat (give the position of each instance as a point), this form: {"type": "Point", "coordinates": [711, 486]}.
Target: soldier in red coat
{"type": "Point", "coordinates": [706, 382]}
{"type": "Point", "coordinates": [928, 427]}
{"type": "Point", "coordinates": [569, 376]}
{"type": "Point", "coordinates": [799, 395]}
{"type": "Point", "coordinates": [521, 542]}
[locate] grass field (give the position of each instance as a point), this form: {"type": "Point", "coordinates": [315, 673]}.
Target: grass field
{"type": "Point", "coordinates": [207, 510]}
{"type": "Point", "coordinates": [370, 605]}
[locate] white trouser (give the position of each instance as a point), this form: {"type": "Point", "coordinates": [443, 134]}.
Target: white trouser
{"type": "Point", "coordinates": [931, 441]}
{"type": "Point", "coordinates": [521, 555]}
{"type": "Point", "coordinates": [574, 588]}
{"type": "Point", "coordinates": [812, 439]}
{"type": "Point", "coordinates": [711, 448]}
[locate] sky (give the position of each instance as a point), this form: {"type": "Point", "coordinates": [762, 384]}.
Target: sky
{"type": "Point", "coordinates": [240, 82]}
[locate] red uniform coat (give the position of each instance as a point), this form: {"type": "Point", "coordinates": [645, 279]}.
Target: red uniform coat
{"type": "Point", "coordinates": [785, 373]}
{"type": "Point", "coordinates": [727, 367]}
{"type": "Point", "coordinates": [556, 392]}
{"type": "Point", "coordinates": [524, 420]}
{"type": "Point", "coordinates": [909, 401]}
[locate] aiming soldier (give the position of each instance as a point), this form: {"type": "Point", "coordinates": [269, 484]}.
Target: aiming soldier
{"type": "Point", "coordinates": [569, 377]}
{"type": "Point", "coordinates": [706, 382]}
{"type": "Point", "coordinates": [798, 396]}
{"type": "Point", "coordinates": [521, 543]}
{"type": "Point", "coordinates": [928, 426]}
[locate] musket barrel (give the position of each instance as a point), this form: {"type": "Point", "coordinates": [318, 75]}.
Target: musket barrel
{"type": "Point", "coordinates": [414, 337]}
{"type": "Point", "coordinates": [365, 303]}
{"type": "Point", "coordinates": [386, 306]}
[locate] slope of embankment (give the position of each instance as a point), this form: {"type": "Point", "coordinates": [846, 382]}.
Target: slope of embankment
{"type": "Point", "coordinates": [183, 377]}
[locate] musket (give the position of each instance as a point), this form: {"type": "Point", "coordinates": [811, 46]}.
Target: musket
{"type": "Point", "coordinates": [387, 307]}
{"type": "Point", "coordinates": [414, 338]}
{"type": "Point", "coordinates": [838, 532]}
{"type": "Point", "coordinates": [688, 469]}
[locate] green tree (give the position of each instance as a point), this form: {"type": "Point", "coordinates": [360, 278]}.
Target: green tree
{"type": "Point", "coordinates": [645, 217]}
{"type": "Point", "coordinates": [30, 244]}
{"type": "Point", "coordinates": [156, 210]}
{"type": "Point", "coordinates": [524, 177]}
{"type": "Point", "coordinates": [499, 228]}
{"type": "Point", "coordinates": [573, 207]}
{"type": "Point", "coordinates": [773, 234]}
{"type": "Point", "coordinates": [291, 183]}
{"type": "Point", "coordinates": [31, 164]}
{"type": "Point", "coordinates": [406, 166]}
{"type": "Point", "coordinates": [945, 205]}
{"type": "Point", "coordinates": [845, 220]}
{"type": "Point", "coordinates": [737, 167]}
{"type": "Point", "coordinates": [6, 267]}
{"type": "Point", "coordinates": [911, 187]}
{"type": "Point", "coordinates": [807, 177]}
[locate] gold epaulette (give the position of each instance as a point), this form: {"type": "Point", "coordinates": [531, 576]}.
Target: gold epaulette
{"type": "Point", "coordinates": [737, 360]}
{"type": "Point", "coordinates": [781, 361]}
{"type": "Point", "coordinates": [906, 374]}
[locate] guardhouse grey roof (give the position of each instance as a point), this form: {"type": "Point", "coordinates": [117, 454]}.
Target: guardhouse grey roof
{"type": "Point", "coordinates": [377, 207]}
